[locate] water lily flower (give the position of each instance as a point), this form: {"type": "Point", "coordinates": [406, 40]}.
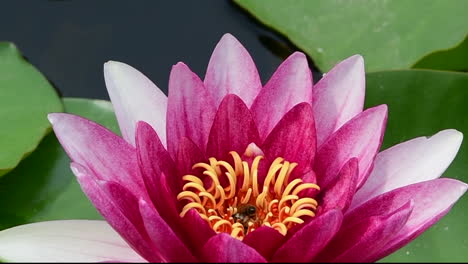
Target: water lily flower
{"type": "Point", "coordinates": [228, 170]}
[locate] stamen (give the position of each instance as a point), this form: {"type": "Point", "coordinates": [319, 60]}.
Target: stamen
{"type": "Point", "coordinates": [239, 211]}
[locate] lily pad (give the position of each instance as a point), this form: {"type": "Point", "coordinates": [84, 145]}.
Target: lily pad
{"type": "Point", "coordinates": [25, 99]}
{"type": "Point", "coordinates": [421, 103]}
{"type": "Point", "coordinates": [43, 187]}
{"type": "Point", "coordinates": [455, 59]}
{"type": "Point", "coordinates": [390, 34]}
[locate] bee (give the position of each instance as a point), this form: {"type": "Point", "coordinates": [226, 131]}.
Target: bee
{"type": "Point", "coordinates": [245, 214]}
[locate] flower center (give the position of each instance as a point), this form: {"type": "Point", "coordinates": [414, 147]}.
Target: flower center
{"type": "Point", "coordinates": [230, 199]}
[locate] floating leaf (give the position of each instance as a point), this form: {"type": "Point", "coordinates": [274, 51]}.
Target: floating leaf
{"type": "Point", "coordinates": [391, 34]}
{"type": "Point", "coordinates": [25, 99]}
{"type": "Point", "coordinates": [455, 59]}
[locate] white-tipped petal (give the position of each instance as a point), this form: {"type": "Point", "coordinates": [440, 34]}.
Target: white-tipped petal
{"type": "Point", "coordinates": [135, 98]}
{"type": "Point", "coordinates": [65, 241]}
{"type": "Point", "coordinates": [413, 161]}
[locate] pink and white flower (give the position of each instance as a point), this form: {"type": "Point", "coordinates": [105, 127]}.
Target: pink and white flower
{"type": "Point", "coordinates": [228, 170]}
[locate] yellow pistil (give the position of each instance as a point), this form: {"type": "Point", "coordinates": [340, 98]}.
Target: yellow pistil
{"type": "Point", "coordinates": [230, 199]}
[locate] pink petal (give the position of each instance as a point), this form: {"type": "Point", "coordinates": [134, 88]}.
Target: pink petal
{"type": "Point", "coordinates": [361, 137]}
{"type": "Point", "coordinates": [224, 248]}
{"type": "Point", "coordinates": [231, 70]}
{"type": "Point", "coordinates": [293, 138]}
{"type": "Point", "coordinates": [119, 207]}
{"type": "Point", "coordinates": [354, 243]}
{"type": "Point", "coordinates": [340, 194]}
{"type": "Point", "coordinates": [155, 163]}
{"type": "Point", "coordinates": [65, 241]}
{"type": "Point", "coordinates": [290, 85]}
{"type": "Point", "coordinates": [196, 231]}
{"type": "Point", "coordinates": [432, 200]}
{"type": "Point", "coordinates": [413, 161]}
{"type": "Point", "coordinates": [338, 96]}
{"type": "Point", "coordinates": [306, 243]}
{"type": "Point", "coordinates": [169, 245]}
{"type": "Point", "coordinates": [233, 129]}
{"type": "Point", "coordinates": [187, 156]}
{"type": "Point", "coordinates": [105, 154]}
{"type": "Point", "coordinates": [265, 240]}
{"type": "Point", "coordinates": [153, 160]}
{"type": "Point", "coordinates": [190, 109]}
{"type": "Point", "coordinates": [135, 98]}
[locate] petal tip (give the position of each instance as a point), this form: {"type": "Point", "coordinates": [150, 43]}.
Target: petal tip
{"type": "Point", "coordinates": [53, 117]}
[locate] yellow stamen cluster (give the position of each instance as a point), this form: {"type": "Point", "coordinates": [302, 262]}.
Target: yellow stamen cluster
{"type": "Point", "coordinates": [277, 203]}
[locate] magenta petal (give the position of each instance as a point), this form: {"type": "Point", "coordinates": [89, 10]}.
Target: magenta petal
{"type": "Point", "coordinates": [338, 96]}
{"type": "Point", "coordinates": [231, 70]}
{"type": "Point", "coordinates": [293, 138]}
{"type": "Point", "coordinates": [187, 156]}
{"type": "Point", "coordinates": [306, 243]}
{"type": "Point", "coordinates": [105, 154]}
{"type": "Point", "coordinates": [361, 137]}
{"type": "Point", "coordinates": [224, 248]}
{"type": "Point", "coordinates": [190, 109]}
{"type": "Point", "coordinates": [340, 194]}
{"type": "Point", "coordinates": [265, 240]}
{"type": "Point", "coordinates": [127, 223]}
{"type": "Point", "coordinates": [233, 129]}
{"type": "Point", "coordinates": [196, 231]}
{"type": "Point", "coordinates": [290, 85]}
{"type": "Point", "coordinates": [153, 160]}
{"type": "Point", "coordinates": [169, 245]}
{"type": "Point", "coordinates": [432, 200]}
{"type": "Point", "coordinates": [354, 243]}
{"type": "Point", "coordinates": [135, 98]}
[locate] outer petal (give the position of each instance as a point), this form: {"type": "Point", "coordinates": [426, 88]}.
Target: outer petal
{"type": "Point", "coordinates": [293, 138]}
{"type": "Point", "coordinates": [65, 241]}
{"type": "Point", "coordinates": [106, 155]}
{"type": "Point", "coordinates": [306, 243]}
{"type": "Point", "coordinates": [355, 242]}
{"type": "Point", "coordinates": [432, 200]}
{"type": "Point", "coordinates": [119, 207]}
{"type": "Point", "coordinates": [361, 137]}
{"type": "Point", "coordinates": [233, 129]}
{"type": "Point", "coordinates": [341, 193]}
{"type": "Point", "coordinates": [413, 161]}
{"type": "Point", "coordinates": [224, 248]}
{"type": "Point", "coordinates": [290, 85]}
{"type": "Point", "coordinates": [338, 96]}
{"type": "Point", "coordinates": [190, 109]}
{"type": "Point", "coordinates": [169, 245]}
{"type": "Point", "coordinates": [135, 98]}
{"type": "Point", "coordinates": [265, 240]}
{"type": "Point", "coordinates": [231, 70]}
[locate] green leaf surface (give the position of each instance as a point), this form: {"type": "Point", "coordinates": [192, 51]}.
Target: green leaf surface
{"type": "Point", "coordinates": [25, 99]}
{"type": "Point", "coordinates": [455, 59]}
{"type": "Point", "coordinates": [391, 34]}
{"type": "Point", "coordinates": [43, 187]}
{"type": "Point", "coordinates": [421, 103]}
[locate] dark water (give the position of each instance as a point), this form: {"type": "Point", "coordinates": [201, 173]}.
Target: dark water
{"type": "Point", "coordinates": [70, 40]}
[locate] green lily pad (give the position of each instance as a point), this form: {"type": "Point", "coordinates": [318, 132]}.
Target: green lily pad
{"type": "Point", "coordinates": [421, 103]}
{"type": "Point", "coordinates": [455, 59]}
{"type": "Point", "coordinates": [390, 34]}
{"type": "Point", "coordinates": [25, 99]}
{"type": "Point", "coordinates": [43, 187]}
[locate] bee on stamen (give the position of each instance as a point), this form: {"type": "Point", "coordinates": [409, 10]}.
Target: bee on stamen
{"type": "Point", "coordinates": [245, 214]}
